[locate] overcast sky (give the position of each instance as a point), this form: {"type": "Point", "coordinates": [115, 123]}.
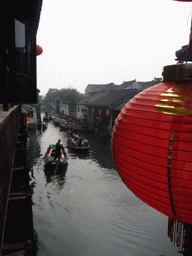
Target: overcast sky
{"type": "Point", "coordinates": [103, 41]}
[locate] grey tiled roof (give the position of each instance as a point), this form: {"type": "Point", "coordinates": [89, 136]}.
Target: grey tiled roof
{"type": "Point", "coordinates": [113, 98]}
{"type": "Point", "coordinates": [124, 85]}
{"type": "Point", "coordinates": [91, 98]}
{"type": "Point", "coordinates": [144, 85]}
{"type": "Point", "coordinates": [99, 87]}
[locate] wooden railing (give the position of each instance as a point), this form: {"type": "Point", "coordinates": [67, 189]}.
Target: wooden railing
{"type": "Point", "coordinates": [9, 125]}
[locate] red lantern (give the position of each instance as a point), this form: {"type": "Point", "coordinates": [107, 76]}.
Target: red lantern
{"type": "Point", "coordinates": [152, 144]}
{"type": "Point", "coordinates": [93, 110]}
{"type": "Point", "coordinates": [107, 112]}
{"type": "Point", "coordinates": [39, 50]}
{"type": "Point", "coordinates": [26, 121]}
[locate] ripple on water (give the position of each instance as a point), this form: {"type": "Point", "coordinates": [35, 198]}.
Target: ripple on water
{"type": "Point", "coordinates": [89, 211]}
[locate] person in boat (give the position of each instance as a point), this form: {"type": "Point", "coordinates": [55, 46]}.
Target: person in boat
{"type": "Point", "coordinates": [71, 132]}
{"type": "Point", "coordinates": [80, 140]}
{"type": "Point", "coordinates": [84, 142]}
{"type": "Point", "coordinates": [59, 148]}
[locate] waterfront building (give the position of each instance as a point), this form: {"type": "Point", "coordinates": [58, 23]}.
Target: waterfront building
{"type": "Point", "coordinates": [18, 49]}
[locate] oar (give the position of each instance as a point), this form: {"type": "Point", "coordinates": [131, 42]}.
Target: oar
{"type": "Point", "coordinates": [56, 166]}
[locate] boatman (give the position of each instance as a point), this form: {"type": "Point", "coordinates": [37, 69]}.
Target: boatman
{"type": "Point", "coordinates": [58, 150]}
{"type": "Point", "coordinates": [59, 147]}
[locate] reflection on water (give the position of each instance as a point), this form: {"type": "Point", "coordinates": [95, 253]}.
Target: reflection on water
{"type": "Point", "coordinates": [87, 209]}
{"type": "Point", "coordinates": [99, 152]}
{"type": "Point", "coordinates": [60, 175]}
{"type": "Point", "coordinates": [181, 235]}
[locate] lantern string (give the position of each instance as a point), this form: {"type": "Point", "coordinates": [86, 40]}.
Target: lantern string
{"type": "Point", "coordinates": [169, 172]}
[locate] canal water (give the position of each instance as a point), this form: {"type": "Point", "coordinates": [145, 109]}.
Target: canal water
{"type": "Point", "coordinates": [87, 210]}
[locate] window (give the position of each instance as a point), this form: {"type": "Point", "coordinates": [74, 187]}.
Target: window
{"type": "Point", "coordinates": [20, 45]}
{"type": "Point", "coordinates": [30, 114]}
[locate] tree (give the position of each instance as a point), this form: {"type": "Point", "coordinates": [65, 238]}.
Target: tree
{"type": "Point", "coordinates": [65, 95]}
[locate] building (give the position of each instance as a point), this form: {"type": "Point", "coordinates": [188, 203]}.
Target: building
{"type": "Point", "coordinates": [81, 110]}
{"type": "Point", "coordinates": [19, 22]}
{"type": "Point", "coordinates": [103, 103]}
{"type": "Point", "coordinates": [31, 113]}
{"type": "Point", "coordinates": [102, 115]}
{"type": "Point", "coordinates": [18, 26]}
{"type": "Point", "coordinates": [64, 109]}
{"type": "Point", "coordinates": [94, 88]}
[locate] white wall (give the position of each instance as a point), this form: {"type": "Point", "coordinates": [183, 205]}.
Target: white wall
{"type": "Point", "coordinates": [64, 109]}
{"type": "Point", "coordinates": [79, 111]}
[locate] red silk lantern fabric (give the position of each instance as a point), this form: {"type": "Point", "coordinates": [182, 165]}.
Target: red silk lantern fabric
{"type": "Point", "coordinates": [152, 147]}
{"type": "Point", "coordinates": [39, 50]}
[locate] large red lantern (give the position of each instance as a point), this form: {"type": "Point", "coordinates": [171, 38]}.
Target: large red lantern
{"type": "Point", "coordinates": [152, 144]}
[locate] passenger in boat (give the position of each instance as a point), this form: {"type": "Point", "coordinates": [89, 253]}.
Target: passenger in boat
{"type": "Point", "coordinates": [84, 142]}
{"type": "Point", "coordinates": [80, 140]}
{"type": "Point", "coordinates": [71, 132]}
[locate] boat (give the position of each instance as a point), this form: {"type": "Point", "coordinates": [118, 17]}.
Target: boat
{"type": "Point", "coordinates": [66, 122]}
{"type": "Point", "coordinates": [42, 126]}
{"type": "Point", "coordinates": [77, 143]}
{"type": "Point", "coordinates": [49, 158]}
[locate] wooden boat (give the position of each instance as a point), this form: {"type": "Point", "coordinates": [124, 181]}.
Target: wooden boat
{"type": "Point", "coordinates": [67, 122]}
{"type": "Point", "coordinates": [75, 144]}
{"type": "Point", "coordinates": [42, 126]}
{"type": "Point", "coordinates": [49, 158]}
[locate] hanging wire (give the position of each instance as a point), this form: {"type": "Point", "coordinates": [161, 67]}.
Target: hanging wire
{"type": "Point", "coordinates": [190, 15]}
{"type": "Point", "coordinates": [185, 53]}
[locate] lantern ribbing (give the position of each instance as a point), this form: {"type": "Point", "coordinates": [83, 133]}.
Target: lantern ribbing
{"type": "Point", "coordinates": [152, 147]}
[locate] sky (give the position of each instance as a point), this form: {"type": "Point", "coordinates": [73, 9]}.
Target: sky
{"type": "Point", "coordinates": [108, 41]}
